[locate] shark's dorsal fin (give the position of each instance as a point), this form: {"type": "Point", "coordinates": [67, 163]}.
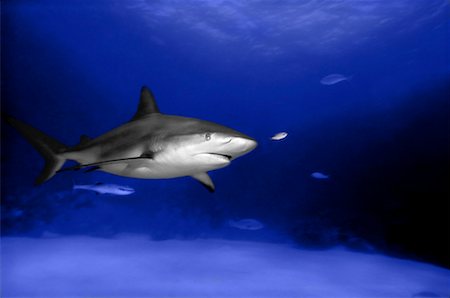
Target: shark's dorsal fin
{"type": "Point", "coordinates": [205, 180]}
{"type": "Point", "coordinates": [84, 139]}
{"type": "Point", "coordinates": [147, 104]}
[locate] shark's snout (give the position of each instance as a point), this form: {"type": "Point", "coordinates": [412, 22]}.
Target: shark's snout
{"type": "Point", "coordinates": [247, 144]}
{"type": "Point", "coordinates": [239, 146]}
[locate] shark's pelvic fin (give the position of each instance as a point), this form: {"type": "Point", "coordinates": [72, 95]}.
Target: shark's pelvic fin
{"type": "Point", "coordinates": [47, 146]}
{"type": "Point", "coordinates": [147, 104]}
{"type": "Point", "coordinates": [205, 180]}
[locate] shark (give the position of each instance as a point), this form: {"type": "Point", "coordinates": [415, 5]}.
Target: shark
{"type": "Point", "coordinates": [151, 145]}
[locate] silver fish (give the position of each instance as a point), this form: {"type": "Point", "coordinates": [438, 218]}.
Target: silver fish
{"type": "Point", "coordinates": [246, 224]}
{"type": "Point", "coordinates": [319, 175]}
{"type": "Point", "coordinates": [334, 79]}
{"type": "Point", "coordinates": [102, 188]}
{"type": "Point", "coordinates": [279, 136]}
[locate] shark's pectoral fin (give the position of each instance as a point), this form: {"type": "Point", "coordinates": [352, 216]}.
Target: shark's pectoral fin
{"type": "Point", "coordinates": [205, 180]}
{"type": "Point", "coordinates": [147, 104]}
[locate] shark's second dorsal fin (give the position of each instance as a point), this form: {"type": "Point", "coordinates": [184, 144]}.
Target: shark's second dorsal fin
{"type": "Point", "coordinates": [147, 104]}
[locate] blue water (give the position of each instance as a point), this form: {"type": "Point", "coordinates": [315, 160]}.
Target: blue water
{"type": "Point", "coordinates": [381, 136]}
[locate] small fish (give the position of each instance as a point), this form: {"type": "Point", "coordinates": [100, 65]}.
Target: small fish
{"type": "Point", "coordinates": [246, 224]}
{"type": "Point", "coordinates": [279, 136]}
{"type": "Point", "coordinates": [319, 175]}
{"type": "Point", "coordinates": [334, 79]}
{"type": "Point", "coordinates": [102, 188]}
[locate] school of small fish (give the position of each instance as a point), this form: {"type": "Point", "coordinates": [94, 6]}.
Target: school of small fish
{"type": "Point", "coordinates": [243, 224]}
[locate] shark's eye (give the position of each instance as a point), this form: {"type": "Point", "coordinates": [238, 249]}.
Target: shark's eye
{"type": "Point", "coordinates": [207, 136]}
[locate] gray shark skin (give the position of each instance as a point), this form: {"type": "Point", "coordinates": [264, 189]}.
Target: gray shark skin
{"type": "Point", "coordinates": [151, 145]}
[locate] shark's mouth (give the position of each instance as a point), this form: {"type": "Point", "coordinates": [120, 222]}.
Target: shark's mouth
{"type": "Point", "coordinates": [225, 156]}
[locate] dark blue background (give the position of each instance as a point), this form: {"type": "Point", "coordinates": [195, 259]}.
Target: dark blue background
{"type": "Point", "coordinates": [73, 67]}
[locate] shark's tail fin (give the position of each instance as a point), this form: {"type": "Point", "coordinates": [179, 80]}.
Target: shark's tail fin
{"type": "Point", "coordinates": [47, 146]}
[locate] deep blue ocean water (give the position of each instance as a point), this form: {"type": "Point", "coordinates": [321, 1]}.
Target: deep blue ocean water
{"type": "Point", "coordinates": [71, 68]}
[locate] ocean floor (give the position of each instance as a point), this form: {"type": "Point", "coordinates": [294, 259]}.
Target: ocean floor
{"type": "Point", "coordinates": [132, 266]}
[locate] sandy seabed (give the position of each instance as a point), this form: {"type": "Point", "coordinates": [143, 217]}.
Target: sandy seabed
{"type": "Point", "coordinates": [132, 266]}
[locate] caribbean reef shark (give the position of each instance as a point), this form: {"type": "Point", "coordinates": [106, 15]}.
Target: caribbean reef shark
{"type": "Point", "coordinates": [151, 145]}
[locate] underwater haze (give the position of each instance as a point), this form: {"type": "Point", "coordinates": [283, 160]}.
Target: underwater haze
{"type": "Point", "coordinates": [346, 194]}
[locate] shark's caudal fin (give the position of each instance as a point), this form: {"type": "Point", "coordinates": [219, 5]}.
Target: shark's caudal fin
{"type": "Point", "coordinates": [48, 147]}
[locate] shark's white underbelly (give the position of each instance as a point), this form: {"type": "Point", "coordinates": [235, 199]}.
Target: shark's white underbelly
{"type": "Point", "coordinates": [151, 169]}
